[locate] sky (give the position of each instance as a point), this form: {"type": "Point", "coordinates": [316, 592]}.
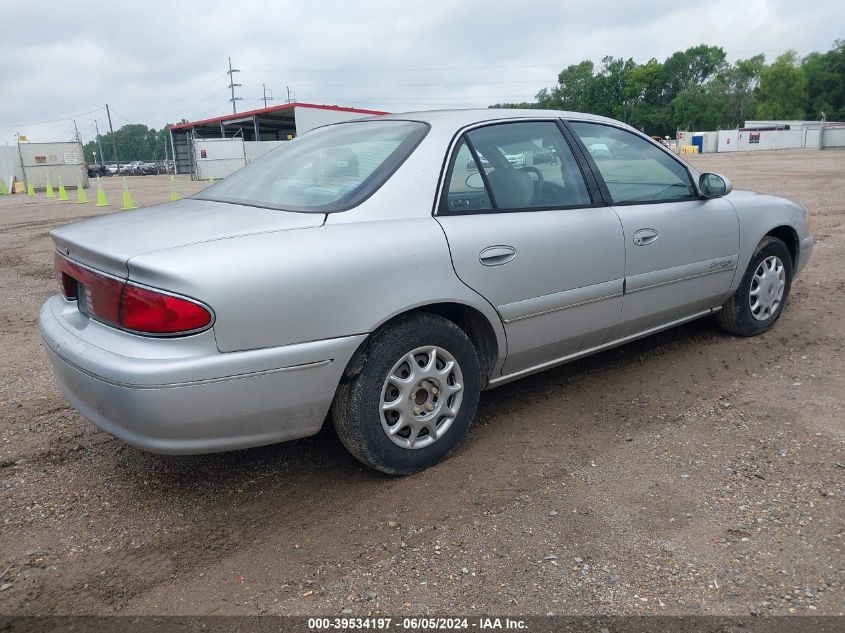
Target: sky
{"type": "Point", "coordinates": [157, 62]}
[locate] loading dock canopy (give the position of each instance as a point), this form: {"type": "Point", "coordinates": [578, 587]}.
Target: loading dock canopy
{"type": "Point", "coordinates": [275, 123]}
{"type": "Point", "coordinates": [265, 125]}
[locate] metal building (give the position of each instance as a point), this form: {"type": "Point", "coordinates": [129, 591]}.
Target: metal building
{"type": "Point", "coordinates": [198, 148]}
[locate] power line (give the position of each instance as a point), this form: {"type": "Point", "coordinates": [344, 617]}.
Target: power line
{"type": "Point", "coordinates": [405, 69]}
{"type": "Point", "coordinates": [233, 85]}
{"type": "Point", "coordinates": [64, 118]}
{"type": "Point", "coordinates": [171, 104]}
{"type": "Point", "coordinates": [435, 84]}
{"type": "Point", "coordinates": [265, 97]}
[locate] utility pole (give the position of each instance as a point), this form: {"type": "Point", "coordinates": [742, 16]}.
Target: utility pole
{"type": "Point", "coordinates": [76, 132]}
{"type": "Point", "coordinates": [266, 98]}
{"type": "Point", "coordinates": [233, 85]}
{"type": "Point", "coordinates": [113, 139]}
{"type": "Point", "coordinates": [288, 89]}
{"type": "Point", "coordinates": [99, 143]}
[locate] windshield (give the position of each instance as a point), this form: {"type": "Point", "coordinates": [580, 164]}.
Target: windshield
{"type": "Point", "coordinates": [328, 169]}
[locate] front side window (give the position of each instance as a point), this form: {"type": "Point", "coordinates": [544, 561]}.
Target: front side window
{"type": "Point", "coordinates": [633, 169]}
{"type": "Point", "coordinates": [519, 166]}
{"type": "Point", "coordinates": [326, 170]}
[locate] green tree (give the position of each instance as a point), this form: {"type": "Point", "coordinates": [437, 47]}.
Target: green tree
{"type": "Point", "coordinates": [573, 87]}
{"type": "Point", "coordinates": [782, 93]}
{"type": "Point", "coordinates": [737, 86]}
{"type": "Point", "coordinates": [825, 73]}
{"type": "Point", "coordinates": [691, 68]}
{"type": "Point", "coordinates": [134, 142]}
{"type": "Point", "coordinates": [608, 94]}
{"type": "Point", "coordinates": [643, 88]}
{"type": "Point", "coordinates": [697, 89]}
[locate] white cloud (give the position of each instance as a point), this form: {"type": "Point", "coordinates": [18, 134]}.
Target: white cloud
{"type": "Point", "coordinates": [155, 62]}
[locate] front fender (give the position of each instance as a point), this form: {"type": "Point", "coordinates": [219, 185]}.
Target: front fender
{"type": "Point", "coordinates": [759, 215]}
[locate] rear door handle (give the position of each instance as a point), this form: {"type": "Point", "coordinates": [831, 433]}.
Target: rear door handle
{"type": "Point", "coordinates": [497, 255]}
{"type": "Point", "coordinates": [644, 237]}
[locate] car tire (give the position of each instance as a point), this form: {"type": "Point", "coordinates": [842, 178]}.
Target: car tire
{"type": "Point", "coordinates": [433, 405]}
{"type": "Point", "coordinates": [759, 301]}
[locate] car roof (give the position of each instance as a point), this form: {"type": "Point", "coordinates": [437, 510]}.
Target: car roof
{"type": "Point", "coordinates": [461, 118]}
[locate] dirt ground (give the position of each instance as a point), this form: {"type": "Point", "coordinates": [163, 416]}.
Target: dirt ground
{"type": "Point", "coordinates": [688, 473]}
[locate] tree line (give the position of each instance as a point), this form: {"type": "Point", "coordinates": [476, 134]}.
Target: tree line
{"type": "Point", "coordinates": [695, 89]}
{"type": "Point", "coordinates": [134, 142]}
{"type": "Point", "coordinates": [698, 89]}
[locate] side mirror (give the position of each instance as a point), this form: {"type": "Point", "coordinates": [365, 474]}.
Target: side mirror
{"type": "Point", "coordinates": [475, 181]}
{"type": "Point", "coordinates": [714, 186]}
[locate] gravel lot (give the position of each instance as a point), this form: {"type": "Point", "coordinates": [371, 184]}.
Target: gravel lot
{"type": "Point", "coordinates": [688, 473]}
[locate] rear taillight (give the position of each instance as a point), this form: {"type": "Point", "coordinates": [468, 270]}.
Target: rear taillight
{"type": "Point", "coordinates": [145, 310]}
{"type": "Point", "coordinates": [123, 304]}
{"type": "Point", "coordinates": [98, 294]}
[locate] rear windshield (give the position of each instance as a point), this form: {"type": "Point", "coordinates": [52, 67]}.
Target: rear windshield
{"type": "Point", "coordinates": [326, 170]}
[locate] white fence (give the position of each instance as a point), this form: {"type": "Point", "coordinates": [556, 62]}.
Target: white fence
{"type": "Point", "coordinates": [10, 163]}
{"type": "Point", "coordinates": [752, 140]}
{"type": "Point", "coordinates": [833, 137]}
{"type": "Point", "coordinates": [218, 157]}
{"type": "Point", "coordinates": [769, 135]}
{"type": "Point", "coordinates": [34, 163]}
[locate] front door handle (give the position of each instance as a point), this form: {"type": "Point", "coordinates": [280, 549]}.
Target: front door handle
{"type": "Point", "coordinates": [644, 237]}
{"type": "Point", "coordinates": [496, 255]}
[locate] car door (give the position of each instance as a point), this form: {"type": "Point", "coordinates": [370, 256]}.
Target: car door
{"type": "Point", "coordinates": [681, 250]}
{"type": "Point", "coordinates": [524, 231]}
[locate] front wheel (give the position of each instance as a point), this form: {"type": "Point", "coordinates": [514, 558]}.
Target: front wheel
{"type": "Point", "coordinates": [762, 293]}
{"type": "Point", "coordinates": [409, 394]}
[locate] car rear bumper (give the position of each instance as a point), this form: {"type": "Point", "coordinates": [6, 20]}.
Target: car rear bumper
{"type": "Point", "coordinates": [194, 403]}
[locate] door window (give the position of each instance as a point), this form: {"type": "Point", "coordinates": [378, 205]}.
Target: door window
{"type": "Point", "coordinates": [633, 169]}
{"type": "Point", "coordinates": [466, 186]}
{"type": "Point", "coordinates": [522, 166]}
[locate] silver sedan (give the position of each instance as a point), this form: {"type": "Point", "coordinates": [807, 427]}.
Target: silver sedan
{"type": "Point", "coordinates": [383, 272]}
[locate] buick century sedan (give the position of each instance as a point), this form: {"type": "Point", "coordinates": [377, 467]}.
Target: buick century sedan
{"type": "Point", "coordinates": [380, 273]}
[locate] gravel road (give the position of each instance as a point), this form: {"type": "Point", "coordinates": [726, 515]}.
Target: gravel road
{"type": "Point", "coordinates": [688, 473]}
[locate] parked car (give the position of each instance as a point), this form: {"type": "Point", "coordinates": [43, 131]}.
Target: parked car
{"type": "Point", "coordinates": [599, 151]}
{"type": "Point", "coordinates": [95, 170]}
{"type": "Point", "coordinates": [363, 271]}
{"type": "Point", "coordinates": [130, 169]}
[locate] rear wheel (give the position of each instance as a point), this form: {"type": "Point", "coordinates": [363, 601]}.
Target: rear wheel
{"type": "Point", "coordinates": [762, 293]}
{"type": "Point", "coordinates": [408, 395]}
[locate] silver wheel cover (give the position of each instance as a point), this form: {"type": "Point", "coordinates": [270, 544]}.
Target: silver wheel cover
{"type": "Point", "coordinates": [767, 288]}
{"type": "Point", "coordinates": [421, 397]}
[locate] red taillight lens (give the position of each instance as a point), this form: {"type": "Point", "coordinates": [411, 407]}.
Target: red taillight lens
{"type": "Point", "coordinates": [145, 310]}
{"type": "Point", "coordinates": [122, 304]}
{"type": "Point", "coordinates": [101, 292]}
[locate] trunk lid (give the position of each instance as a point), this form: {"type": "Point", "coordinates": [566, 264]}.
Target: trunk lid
{"type": "Point", "coordinates": [107, 243]}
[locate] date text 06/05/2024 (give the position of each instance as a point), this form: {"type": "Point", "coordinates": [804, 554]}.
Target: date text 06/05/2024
{"type": "Point", "coordinates": [415, 624]}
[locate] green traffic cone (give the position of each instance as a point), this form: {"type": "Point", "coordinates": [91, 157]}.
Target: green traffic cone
{"type": "Point", "coordinates": [101, 195]}
{"type": "Point", "coordinates": [174, 195]}
{"type": "Point", "coordinates": [81, 196]}
{"type": "Point", "coordinates": [62, 192]}
{"type": "Point", "coordinates": [128, 202]}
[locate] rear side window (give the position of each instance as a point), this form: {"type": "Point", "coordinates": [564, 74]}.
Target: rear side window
{"type": "Point", "coordinates": [326, 170]}
{"type": "Point", "coordinates": [524, 165]}
{"type": "Point", "coordinates": [633, 169]}
{"type": "Point", "coordinates": [466, 186]}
